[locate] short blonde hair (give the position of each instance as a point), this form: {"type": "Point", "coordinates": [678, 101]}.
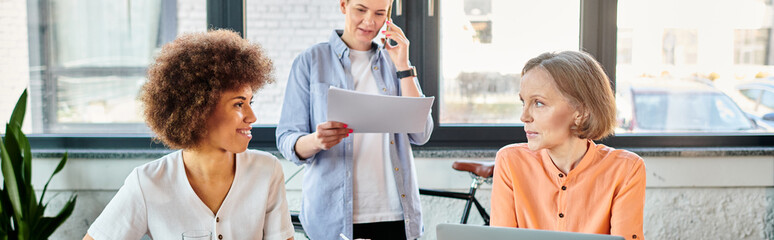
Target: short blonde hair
{"type": "Point", "coordinates": [582, 81]}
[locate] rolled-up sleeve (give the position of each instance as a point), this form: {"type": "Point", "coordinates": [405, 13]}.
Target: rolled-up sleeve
{"type": "Point", "coordinates": [295, 120]}
{"type": "Point", "coordinates": [421, 138]}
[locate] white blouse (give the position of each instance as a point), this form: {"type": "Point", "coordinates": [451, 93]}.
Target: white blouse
{"type": "Point", "coordinates": [157, 200]}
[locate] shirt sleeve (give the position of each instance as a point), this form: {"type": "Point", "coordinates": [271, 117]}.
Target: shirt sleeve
{"type": "Point", "coordinates": [419, 138]}
{"type": "Point", "coordinates": [503, 205]}
{"type": "Point", "coordinates": [125, 217]}
{"type": "Point", "coordinates": [295, 119]}
{"type": "Point", "coordinates": [626, 214]}
{"type": "Point", "coordinates": [277, 223]}
{"type": "Point", "coordinates": [422, 137]}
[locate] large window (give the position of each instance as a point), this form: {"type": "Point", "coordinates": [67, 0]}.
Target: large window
{"type": "Point", "coordinates": [87, 60]}
{"type": "Point", "coordinates": [686, 60]}
{"type": "Point", "coordinates": [84, 62]}
{"type": "Point", "coordinates": [484, 45]}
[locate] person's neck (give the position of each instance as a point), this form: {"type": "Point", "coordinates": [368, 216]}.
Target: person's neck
{"type": "Point", "coordinates": [567, 156]}
{"type": "Point", "coordinates": [354, 44]}
{"type": "Point", "coordinates": [209, 164]}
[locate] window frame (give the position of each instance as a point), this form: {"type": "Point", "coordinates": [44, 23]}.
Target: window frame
{"type": "Point", "coordinates": [44, 91]}
{"type": "Point", "coordinates": [598, 35]}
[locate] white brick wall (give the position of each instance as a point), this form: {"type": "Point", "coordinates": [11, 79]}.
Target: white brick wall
{"type": "Point", "coordinates": [284, 29]}
{"type": "Point", "coordinates": [191, 16]}
{"type": "Point", "coordinates": [14, 60]}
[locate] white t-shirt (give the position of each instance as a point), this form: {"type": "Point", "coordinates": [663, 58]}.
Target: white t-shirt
{"type": "Point", "coordinates": [157, 199]}
{"type": "Point", "coordinates": [375, 195]}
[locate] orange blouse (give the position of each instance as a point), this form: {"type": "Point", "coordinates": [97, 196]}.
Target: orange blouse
{"type": "Point", "coordinates": [603, 194]}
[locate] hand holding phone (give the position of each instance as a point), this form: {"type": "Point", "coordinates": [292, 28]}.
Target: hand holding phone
{"type": "Point", "coordinates": [386, 27]}
{"type": "Point", "coordinates": [395, 42]}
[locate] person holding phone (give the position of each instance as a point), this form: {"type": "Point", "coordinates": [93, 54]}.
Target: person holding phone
{"type": "Point", "coordinates": [359, 185]}
{"type": "Point", "coordinates": [560, 179]}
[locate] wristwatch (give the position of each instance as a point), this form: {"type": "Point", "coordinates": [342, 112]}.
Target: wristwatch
{"type": "Point", "coordinates": [412, 72]}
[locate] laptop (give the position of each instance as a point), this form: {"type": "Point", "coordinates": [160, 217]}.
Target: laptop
{"type": "Point", "coordinates": [447, 231]}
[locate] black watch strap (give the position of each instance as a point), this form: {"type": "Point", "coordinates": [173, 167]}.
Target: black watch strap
{"type": "Point", "coordinates": [407, 73]}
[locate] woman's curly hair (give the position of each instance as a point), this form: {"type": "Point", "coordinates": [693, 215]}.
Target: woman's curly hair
{"type": "Point", "coordinates": [189, 75]}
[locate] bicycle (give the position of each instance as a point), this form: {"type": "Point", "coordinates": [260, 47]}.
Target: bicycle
{"type": "Point", "coordinates": [480, 172]}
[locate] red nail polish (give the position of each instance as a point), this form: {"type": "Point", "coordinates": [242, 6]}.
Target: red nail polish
{"type": "Point", "coordinates": [350, 131]}
{"type": "Point", "coordinates": [345, 125]}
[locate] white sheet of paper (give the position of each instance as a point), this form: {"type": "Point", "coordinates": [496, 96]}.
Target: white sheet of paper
{"type": "Point", "coordinates": [367, 113]}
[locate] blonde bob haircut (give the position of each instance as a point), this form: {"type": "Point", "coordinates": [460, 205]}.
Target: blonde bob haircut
{"type": "Point", "coordinates": [582, 81]}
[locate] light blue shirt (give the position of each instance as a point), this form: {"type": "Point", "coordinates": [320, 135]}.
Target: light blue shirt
{"type": "Point", "coordinates": [326, 210]}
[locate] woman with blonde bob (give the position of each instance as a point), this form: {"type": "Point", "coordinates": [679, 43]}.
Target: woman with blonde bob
{"type": "Point", "coordinates": [198, 99]}
{"type": "Point", "coordinates": [560, 179]}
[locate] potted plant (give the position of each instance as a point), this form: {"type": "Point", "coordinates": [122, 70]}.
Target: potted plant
{"type": "Point", "coordinates": [21, 213]}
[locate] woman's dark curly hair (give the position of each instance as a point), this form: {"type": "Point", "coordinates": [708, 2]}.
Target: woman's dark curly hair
{"type": "Point", "coordinates": [189, 75]}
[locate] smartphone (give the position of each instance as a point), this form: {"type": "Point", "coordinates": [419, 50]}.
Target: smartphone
{"type": "Point", "coordinates": [392, 43]}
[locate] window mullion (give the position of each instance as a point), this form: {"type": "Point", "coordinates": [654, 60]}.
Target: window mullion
{"type": "Point", "coordinates": [598, 32]}
{"type": "Point", "coordinates": [226, 14]}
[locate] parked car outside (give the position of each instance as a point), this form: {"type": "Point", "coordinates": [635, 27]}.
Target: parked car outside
{"type": "Point", "coordinates": [757, 99]}
{"type": "Point", "coordinates": [666, 105]}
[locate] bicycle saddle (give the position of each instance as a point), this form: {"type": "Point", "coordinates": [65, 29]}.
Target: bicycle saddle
{"type": "Point", "coordinates": [483, 169]}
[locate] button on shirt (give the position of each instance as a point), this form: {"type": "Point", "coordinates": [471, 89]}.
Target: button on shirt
{"type": "Point", "coordinates": [327, 189]}
{"type": "Point", "coordinates": [603, 194]}
{"type": "Point", "coordinates": [375, 196]}
{"type": "Point", "coordinates": [156, 199]}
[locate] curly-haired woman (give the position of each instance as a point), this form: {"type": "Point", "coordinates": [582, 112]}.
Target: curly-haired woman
{"type": "Point", "coordinates": [197, 99]}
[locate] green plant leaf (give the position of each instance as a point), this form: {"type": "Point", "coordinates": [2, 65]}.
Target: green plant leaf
{"type": "Point", "coordinates": [57, 170]}
{"type": "Point", "coordinates": [11, 184]}
{"type": "Point", "coordinates": [12, 147]}
{"type": "Point", "coordinates": [2, 207]}
{"type": "Point", "coordinates": [24, 187]}
{"type": "Point", "coordinates": [33, 214]}
{"type": "Point", "coordinates": [5, 210]}
{"type": "Point", "coordinates": [21, 214]}
{"type": "Point", "coordinates": [23, 168]}
{"type": "Point", "coordinates": [24, 230]}
{"type": "Point", "coordinates": [44, 229]}
{"type": "Point", "coordinates": [17, 117]}
{"type": "Point", "coordinates": [61, 165]}
{"type": "Point", "coordinates": [26, 150]}
{"type": "Point", "coordinates": [48, 225]}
